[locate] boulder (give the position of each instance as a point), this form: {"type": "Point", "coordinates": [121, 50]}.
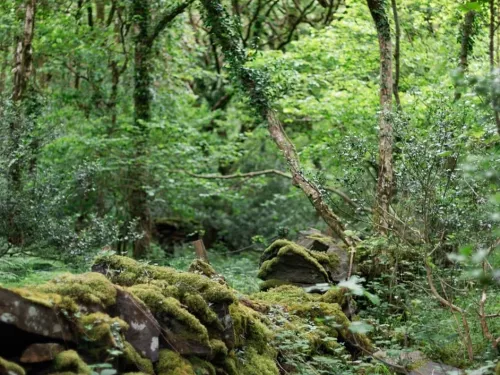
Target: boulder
{"type": "Point", "coordinates": [287, 262]}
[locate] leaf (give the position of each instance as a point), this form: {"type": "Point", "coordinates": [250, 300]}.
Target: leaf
{"type": "Point", "coordinates": [472, 5]}
{"type": "Point", "coordinates": [372, 297]}
{"type": "Point", "coordinates": [360, 327]}
{"type": "Point", "coordinates": [354, 285]}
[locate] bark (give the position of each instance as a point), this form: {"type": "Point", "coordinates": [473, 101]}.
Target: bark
{"type": "Point", "coordinates": [22, 72]}
{"type": "Point", "coordinates": [397, 53]}
{"type": "Point", "coordinates": [138, 200]}
{"type": "Point", "coordinates": [385, 175]}
{"type": "Point", "coordinates": [492, 58]}
{"type": "Point", "coordinates": [100, 7]}
{"type": "Point", "coordinates": [24, 53]}
{"type": "Point", "coordinates": [220, 26]}
{"type": "Point", "coordinates": [143, 82]}
{"type": "Point", "coordinates": [467, 41]}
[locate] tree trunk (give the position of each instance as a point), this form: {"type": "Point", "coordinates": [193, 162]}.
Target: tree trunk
{"type": "Point", "coordinates": [138, 175]}
{"type": "Point", "coordinates": [385, 175]}
{"type": "Point", "coordinates": [255, 85]}
{"type": "Point", "coordinates": [397, 53]}
{"type": "Point", "coordinates": [22, 72]}
{"type": "Point", "coordinates": [492, 60]}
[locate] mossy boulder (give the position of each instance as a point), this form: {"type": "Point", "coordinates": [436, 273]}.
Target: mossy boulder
{"type": "Point", "coordinates": [191, 307]}
{"type": "Point", "coordinates": [289, 262]}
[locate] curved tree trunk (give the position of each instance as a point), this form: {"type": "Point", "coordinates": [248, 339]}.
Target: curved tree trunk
{"type": "Point", "coordinates": [385, 175]}
{"type": "Point", "coordinates": [255, 85]}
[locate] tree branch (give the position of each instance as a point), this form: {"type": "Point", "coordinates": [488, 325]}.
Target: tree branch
{"type": "Point", "coordinates": [165, 19]}
{"type": "Point", "coordinates": [267, 172]}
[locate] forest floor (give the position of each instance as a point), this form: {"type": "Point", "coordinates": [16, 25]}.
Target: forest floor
{"type": "Point", "coordinates": [410, 320]}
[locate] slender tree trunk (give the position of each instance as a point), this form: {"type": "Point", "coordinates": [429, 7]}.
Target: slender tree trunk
{"type": "Point", "coordinates": [492, 59]}
{"type": "Point", "coordinates": [397, 54]}
{"type": "Point", "coordinates": [255, 84]}
{"type": "Point", "coordinates": [138, 198]}
{"type": "Point", "coordinates": [143, 82]}
{"type": "Point", "coordinates": [22, 72]}
{"type": "Point", "coordinates": [385, 175]}
{"type": "Point", "coordinates": [467, 40]}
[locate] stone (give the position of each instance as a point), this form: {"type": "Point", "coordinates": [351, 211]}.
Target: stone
{"type": "Point", "coordinates": [37, 353]}
{"type": "Point", "coordinates": [144, 332]}
{"type": "Point", "coordinates": [32, 316]}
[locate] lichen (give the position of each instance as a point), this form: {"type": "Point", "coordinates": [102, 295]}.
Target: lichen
{"type": "Point", "coordinates": [127, 272]}
{"type": "Point", "coordinates": [87, 288]}
{"type": "Point", "coordinates": [132, 358]}
{"type": "Point", "coordinates": [10, 368]}
{"type": "Point", "coordinates": [171, 363]}
{"type": "Point", "coordinates": [286, 248]}
{"type": "Point", "coordinates": [69, 360]}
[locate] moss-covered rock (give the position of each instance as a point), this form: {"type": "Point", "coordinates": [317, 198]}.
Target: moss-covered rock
{"type": "Point", "coordinates": [10, 368]}
{"type": "Point", "coordinates": [101, 328]}
{"type": "Point", "coordinates": [69, 360]}
{"type": "Point", "coordinates": [169, 308]}
{"type": "Point", "coordinates": [88, 288]}
{"type": "Point", "coordinates": [132, 358]}
{"type": "Point", "coordinates": [285, 260]}
{"type": "Point", "coordinates": [172, 363]}
{"type": "Point", "coordinates": [202, 367]}
{"type": "Point", "coordinates": [127, 272]}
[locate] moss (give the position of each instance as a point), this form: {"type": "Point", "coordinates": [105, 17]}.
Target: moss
{"type": "Point", "coordinates": [127, 272]}
{"type": "Point", "coordinates": [202, 367]}
{"type": "Point", "coordinates": [285, 294]}
{"type": "Point", "coordinates": [69, 360]}
{"type": "Point", "coordinates": [248, 329]}
{"type": "Point", "coordinates": [218, 347]}
{"type": "Point", "coordinates": [168, 306]}
{"type": "Point", "coordinates": [133, 358]}
{"type": "Point", "coordinates": [197, 305]}
{"type": "Point", "coordinates": [286, 248]}
{"type": "Point", "coordinates": [50, 300]}
{"type": "Point", "coordinates": [332, 318]}
{"type": "Point", "coordinates": [87, 288]}
{"type": "Point", "coordinates": [329, 260]}
{"type": "Point", "coordinates": [254, 363]}
{"type": "Point", "coordinates": [171, 363]}
{"type": "Point", "coordinates": [272, 283]}
{"type": "Point", "coordinates": [99, 327]}
{"type": "Point", "coordinates": [334, 295]}
{"type": "Point", "coordinates": [10, 368]}
{"type": "Point", "coordinates": [203, 268]}
{"type": "Point", "coordinates": [230, 364]}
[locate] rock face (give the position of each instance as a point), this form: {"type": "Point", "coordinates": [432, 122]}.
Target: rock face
{"type": "Point", "coordinates": [142, 319]}
{"type": "Point", "coordinates": [313, 259]}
